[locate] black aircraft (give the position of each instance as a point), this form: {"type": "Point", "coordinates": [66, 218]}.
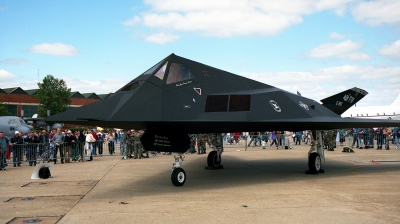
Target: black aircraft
{"type": "Point", "coordinates": [178, 96]}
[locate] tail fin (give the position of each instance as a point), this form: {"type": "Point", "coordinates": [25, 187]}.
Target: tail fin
{"type": "Point", "coordinates": [341, 102]}
{"type": "Point", "coordinates": [396, 101]}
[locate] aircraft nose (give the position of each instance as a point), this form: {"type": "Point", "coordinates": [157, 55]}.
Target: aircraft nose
{"type": "Point", "coordinates": [25, 129]}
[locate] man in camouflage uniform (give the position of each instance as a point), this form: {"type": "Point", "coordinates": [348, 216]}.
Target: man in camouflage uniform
{"type": "Point", "coordinates": [192, 141]}
{"type": "Point", "coordinates": [128, 145]}
{"type": "Point", "coordinates": [201, 144]}
{"type": "Point", "coordinates": [329, 139]}
{"type": "Point", "coordinates": [144, 151]}
{"type": "Point", "coordinates": [137, 144]}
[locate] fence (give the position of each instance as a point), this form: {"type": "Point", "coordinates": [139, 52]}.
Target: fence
{"type": "Point", "coordinates": [361, 141]}
{"type": "Point", "coordinates": [65, 152]}
{"type": "Point", "coordinates": [73, 152]}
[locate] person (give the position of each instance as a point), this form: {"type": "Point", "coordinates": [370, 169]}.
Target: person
{"type": "Point", "coordinates": [121, 139]}
{"type": "Point", "coordinates": [386, 137]}
{"type": "Point", "coordinates": [16, 145]}
{"type": "Point", "coordinates": [371, 138]}
{"type": "Point", "coordinates": [379, 138]}
{"type": "Point", "coordinates": [288, 137]}
{"type": "Point", "coordinates": [80, 145]}
{"type": "Point", "coordinates": [100, 140]}
{"type": "Point", "coordinates": [3, 151]}
{"type": "Point", "coordinates": [70, 147]}
{"type": "Point", "coordinates": [115, 134]}
{"type": "Point", "coordinates": [128, 144]}
{"type": "Point", "coordinates": [264, 139]}
{"type": "Point", "coordinates": [367, 135]}
{"type": "Point", "coordinates": [342, 134]}
{"type": "Point", "coordinates": [192, 149]}
{"type": "Point", "coordinates": [356, 131]}
{"type": "Point", "coordinates": [361, 138]}
{"type": "Point", "coordinates": [329, 139]}
{"type": "Point", "coordinates": [89, 141]}
{"type": "Point", "coordinates": [228, 138]}
{"type": "Point", "coordinates": [111, 144]}
{"type": "Point", "coordinates": [201, 145]}
{"type": "Point", "coordinates": [44, 142]}
{"type": "Point", "coordinates": [298, 137]}
{"type": "Point", "coordinates": [137, 143]}
{"type": "Point", "coordinates": [396, 134]}
{"type": "Point", "coordinates": [273, 137]}
{"type": "Point", "coordinates": [58, 140]}
{"type": "Point", "coordinates": [95, 144]}
{"type": "Point", "coordinates": [32, 141]}
{"type": "Point", "coordinates": [236, 137]}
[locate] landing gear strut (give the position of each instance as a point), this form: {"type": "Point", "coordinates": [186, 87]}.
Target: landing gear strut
{"type": "Point", "coordinates": [178, 175]}
{"type": "Point", "coordinates": [316, 153]}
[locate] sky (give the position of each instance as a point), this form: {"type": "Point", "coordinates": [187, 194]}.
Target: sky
{"type": "Point", "coordinates": [318, 48]}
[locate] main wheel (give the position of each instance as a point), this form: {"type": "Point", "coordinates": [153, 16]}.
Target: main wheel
{"type": "Point", "coordinates": [178, 177]}
{"type": "Point", "coordinates": [212, 159]}
{"type": "Point", "coordinates": [314, 162]}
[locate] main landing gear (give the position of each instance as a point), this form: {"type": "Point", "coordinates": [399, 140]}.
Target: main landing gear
{"type": "Point", "coordinates": [214, 157]}
{"type": "Point", "coordinates": [316, 153]}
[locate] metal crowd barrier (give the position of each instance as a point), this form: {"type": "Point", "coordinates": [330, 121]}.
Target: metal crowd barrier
{"type": "Point", "coordinates": [365, 140]}
{"type": "Point", "coordinates": [34, 153]}
{"type": "Point", "coordinates": [70, 152]}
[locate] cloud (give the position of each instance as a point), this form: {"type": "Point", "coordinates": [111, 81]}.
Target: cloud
{"type": "Point", "coordinates": [335, 35]}
{"type": "Point", "coordinates": [99, 87]}
{"type": "Point", "coordinates": [346, 50]}
{"type": "Point", "coordinates": [161, 38]}
{"type": "Point", "coordinates": [57, 49]}
{"type": "Point", "coordinates": [6, 76]}
{"type": "Point", "coordinates": [15, 61]}
{"type": "Point", "coordinates": [131, 22]}
{"type": "Point", "coordinates": [376, 13]}
{"type": "Point", "coordinates": [382, 83]}
{"type": "Point", "coordinates": [227, 18]}
{"type": "Point", "coordinates": [392, 50]}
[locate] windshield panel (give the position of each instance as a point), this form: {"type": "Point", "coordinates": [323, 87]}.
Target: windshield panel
{"type": "Point", "coordinates": [179, 72]}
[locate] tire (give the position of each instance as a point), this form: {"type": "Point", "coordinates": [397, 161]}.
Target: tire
{"type": "Point", "coordinates": [212, 160]}
{"type": "Point", "coordinates": [314, 162]}
{"type": "Point", "coordinates": [178, 177]}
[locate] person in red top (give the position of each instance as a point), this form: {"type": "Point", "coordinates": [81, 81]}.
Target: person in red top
{"type": "Point", "coordinates": [94, 153]}
{"type": "Point", "coordinates": [236, 136]}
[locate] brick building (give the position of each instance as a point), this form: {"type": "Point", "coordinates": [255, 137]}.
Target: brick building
{"type": "Point", "coordinates": [23, 103]}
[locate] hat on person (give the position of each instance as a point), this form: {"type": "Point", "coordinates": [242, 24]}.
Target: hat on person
{"type": "Point", "coordinates": [43, 130]}
{"type": "Point", "coordinates": [16, 132]}
{"type": "Point", "coordinates": [69, 132]}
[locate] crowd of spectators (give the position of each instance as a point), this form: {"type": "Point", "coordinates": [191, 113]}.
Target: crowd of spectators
{"type": "Point", "coordinates": [362, 138]}
{"type": "Point", "coordinates": [80, 146]}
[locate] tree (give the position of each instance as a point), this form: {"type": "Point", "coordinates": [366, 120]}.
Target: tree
{"type": "Point", "coordinates": [53, 95]}
{"type": "Point", "coordinates": [3, 109]}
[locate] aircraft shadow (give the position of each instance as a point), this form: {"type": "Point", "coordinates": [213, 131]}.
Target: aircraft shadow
{"type": "Point", "coordinates": [239, 172]}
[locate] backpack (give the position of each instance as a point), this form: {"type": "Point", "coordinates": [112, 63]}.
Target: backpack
{"type": "Point", "coordinates": [44, 173]}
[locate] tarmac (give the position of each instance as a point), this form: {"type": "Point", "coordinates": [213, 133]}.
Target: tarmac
{"type": "Point", "coordinates": [255, 186]}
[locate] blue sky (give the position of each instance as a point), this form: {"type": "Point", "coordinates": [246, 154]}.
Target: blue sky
{"type": "Point", "coordinates": [318, 48]}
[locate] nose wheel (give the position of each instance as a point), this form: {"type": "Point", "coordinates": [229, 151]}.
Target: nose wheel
{"type": "Point", "coordinates": [178, 177]}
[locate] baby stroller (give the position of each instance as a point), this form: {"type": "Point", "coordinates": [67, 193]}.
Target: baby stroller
{"type": "Point", "coordinates": [48, 153]}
